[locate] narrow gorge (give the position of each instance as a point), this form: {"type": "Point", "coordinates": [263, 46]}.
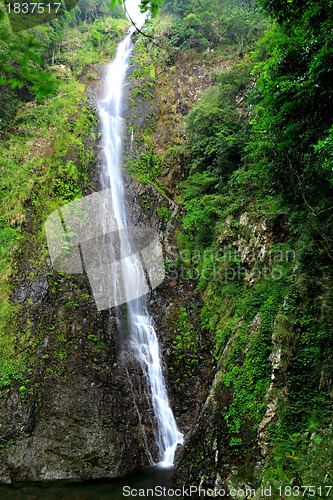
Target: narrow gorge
{"type": "Point", "coordinates": [165, 242]}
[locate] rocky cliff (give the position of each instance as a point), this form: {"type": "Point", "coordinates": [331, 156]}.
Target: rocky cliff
{"type": "Point", "coordinates": [234, 344]}
{"type": "Point", "coordinates": [72, 414]}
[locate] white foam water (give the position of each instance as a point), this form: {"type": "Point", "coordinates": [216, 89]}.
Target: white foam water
{"type": "Point", "coordinates": [142, 337]}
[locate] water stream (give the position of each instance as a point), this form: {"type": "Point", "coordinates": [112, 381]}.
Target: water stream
{"type": "Point", "coordinates": [142, 341]}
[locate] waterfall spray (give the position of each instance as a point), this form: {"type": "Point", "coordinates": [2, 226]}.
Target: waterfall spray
{"type": "Point", "coordinates": [142, 338]}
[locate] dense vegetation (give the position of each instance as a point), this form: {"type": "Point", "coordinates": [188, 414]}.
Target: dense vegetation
{"type": "Point", "coordinates": [27, 57]}
{"type": "Point", "coordinates": [257, 152]}
{"type": "Point", "coordinates": [258, 148]}
{"type": "Point", "coordinates": [260, 142]}
{"type": "Point", "coordinates": [45, 153]}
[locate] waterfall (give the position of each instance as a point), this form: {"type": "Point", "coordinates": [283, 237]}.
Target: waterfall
{"type": "Point", "coordinates": [142, 341]}
{"type": "Point", "coordinates": [132, 141]}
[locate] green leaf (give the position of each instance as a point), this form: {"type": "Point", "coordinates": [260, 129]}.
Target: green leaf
{"type": "Point", "coordinates": [152, 71]}
{"type": "Point", "coordinates": [112, 3]}
{"type": "Point", "coordinates": [14, 83]}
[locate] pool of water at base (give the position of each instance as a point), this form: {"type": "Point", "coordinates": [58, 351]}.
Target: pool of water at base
{"type": "Point", "coordinates": [93, 490]}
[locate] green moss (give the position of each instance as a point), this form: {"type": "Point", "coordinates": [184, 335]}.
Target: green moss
{"type": "Point", "coordinates": [164, 213]}
{"type": "Point", "coordinates": [187, 346]}
{"type": "Point", "coordinates": [45, 164]}
{"type": "Point", "coordinates": [61, 353]}
{"type": "Point", "coordinates": [146, 168]}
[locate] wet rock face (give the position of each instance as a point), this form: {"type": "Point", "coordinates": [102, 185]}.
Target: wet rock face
{"type": "Point", "coordinates": [80, 434]}
{"type": "Point", "coordinates": [73, 417]}
{"type": "Point", "coordinates": [187, 369]}
{"type": "Point", "coordinates": [207, 459]}
{"type": "Point", "coordinates": [34, 290]}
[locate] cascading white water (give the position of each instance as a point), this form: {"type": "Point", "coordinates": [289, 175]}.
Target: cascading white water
{"type": "Point", "coordinates": [142, 341]}
{"type": "Point", "coordinates": [132, 141]}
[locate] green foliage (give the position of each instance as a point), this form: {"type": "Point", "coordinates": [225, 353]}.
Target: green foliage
{"type": "Point", "coordinates": [87, 11]}
{"type": "Point", "coordinates": [206, 24]}
{"type": "Point", "coordinates": [250, 378]}
{"type": "Point", "coordinates": [95, 339]}
{"type": "Point", "coordinates": [27, 57]}
{"type": "Point", "coordinates": [261, 141]}
{"type": "Point", "coordinates": [21, 70]}
{"type": "Point", "coordinates": [21, 64]}
{"type": "Point", "coordinates": [324, 150]}
{"type": "Point", "coordinates": [216, 128]}
{"type": "Point", "coordinates": [144, 73]}
{"type": "Point", "coordinates": [164, 213]}
{"type": "Point", "coordinates": [289, 13]}
{"type": "Point", "coordinates": [187, 345]}
{"type": "Point", "coordinates": [303, 458]}
{"type": "Point", "coordinates": [147, 167]}
{"type": "Point", "coordinates": [290, 147]}
{"type": "Point", "coordinates": [44, 164]}
{"type": "Point", "coordinates": [61, 353]}
{"type": "Point", "coordinates": [191, 32]}
{"type": "Point", "coordinates": [145, 5]}
{"type": "Point", "coordinates": [202, 216]}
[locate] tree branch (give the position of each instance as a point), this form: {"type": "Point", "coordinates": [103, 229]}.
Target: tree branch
{"type": "Point", "coordinates": [138, 29]}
